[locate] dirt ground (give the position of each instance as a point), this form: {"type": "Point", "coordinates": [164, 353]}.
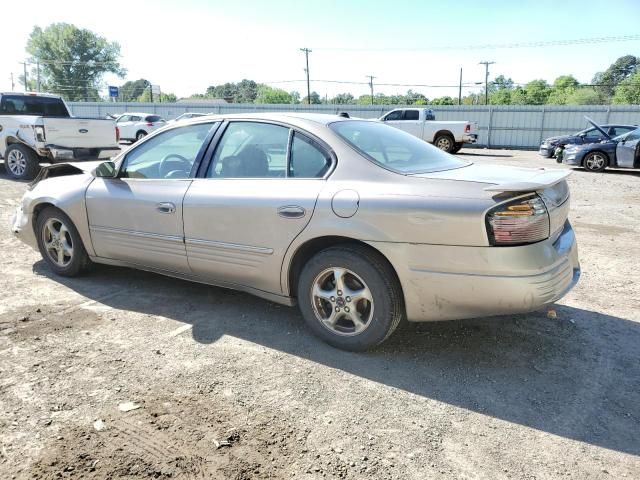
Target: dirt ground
{"type": "Point", "coordinates": [219, 384]}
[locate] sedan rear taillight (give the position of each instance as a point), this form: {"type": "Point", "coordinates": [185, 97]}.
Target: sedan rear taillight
{"type": "Point", "coordinates": [117, 135]}
{"type": "Point", "coordinates": [149, 124]}
{"type": "Point", "coordinates": [519, 222]}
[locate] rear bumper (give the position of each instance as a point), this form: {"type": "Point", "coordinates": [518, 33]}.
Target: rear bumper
{"type": "Point", "coordinates": [470, 138]}
{"type": "Point", "coordinates": [57, 153]}
{"type": "Point", "coordinates": [446, 283]}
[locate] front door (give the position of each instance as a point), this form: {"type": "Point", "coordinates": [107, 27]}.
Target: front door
{"type": "Point", "coordinates": [137, 217]}
{"type": "Point", "coordinates": [257, 195]}
{"type": "Point", "coordinates": [627, 150]}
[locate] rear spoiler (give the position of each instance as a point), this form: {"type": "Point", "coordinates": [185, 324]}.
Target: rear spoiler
{"type": "Point", "coordinates": [540, 181]}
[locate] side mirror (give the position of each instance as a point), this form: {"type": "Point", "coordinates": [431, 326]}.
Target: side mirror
{"type": "Point", "coordinates": [106, 169]}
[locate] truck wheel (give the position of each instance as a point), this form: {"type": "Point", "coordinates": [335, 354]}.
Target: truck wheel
{"type": "Point", "coordinates": [445, 142]}
{"type": "Point", "coordinates": [350, 297]}
{"type": "Point", "coordinates": [21, 162]}
{"type": "Point", "coordinates": [457, 147]}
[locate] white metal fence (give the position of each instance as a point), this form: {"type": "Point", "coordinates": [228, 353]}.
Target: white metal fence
{"type": "Point", "coordinates": [519, 126]}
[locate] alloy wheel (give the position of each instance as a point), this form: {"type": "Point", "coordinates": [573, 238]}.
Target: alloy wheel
{"type": "Point", "coordinates": [342, 301]}
{"type": "Point", "coordinates": [16, 162]}
{"type": "Point", "coordinates": [595, 162]}
{"type": "Point", "coordinates": [57, 242]}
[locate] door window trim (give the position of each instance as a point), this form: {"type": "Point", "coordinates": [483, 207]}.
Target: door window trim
{"type": "Point", "coordinates": [215, 126]}
{"type": "Point", "coordinates": [215, 142]}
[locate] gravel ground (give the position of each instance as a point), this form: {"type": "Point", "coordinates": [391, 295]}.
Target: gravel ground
{"type": "Point", "coordinates": [125, 374]}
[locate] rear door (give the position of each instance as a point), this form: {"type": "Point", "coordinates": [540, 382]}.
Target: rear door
{"type": "Point", "coordinates": [411, 122]}
{"type": "Point", "coordinates": [137, 217]}
{"type": "Point", "coordinates": [257, 194]}
{"type": "Point", "coordinates": [627, 150]}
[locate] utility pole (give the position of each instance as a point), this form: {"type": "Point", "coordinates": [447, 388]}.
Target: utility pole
{"type": "Point", "coordinates": [307, 51]}
{"type": "Point", "coordinates": [24, 64]}
{"type": "Point", "coordinates": [371, 77]}
{"type": "Point", "coordinates": [151, 92]}
{"type": "Point", "coordinates": [38, 74]}
{"type": "Point", "coordinates": [486, 80]}
{"type": "Point", "coordinates": [13, 85]}
{"type": "Point", "coordinates": [460, 88]}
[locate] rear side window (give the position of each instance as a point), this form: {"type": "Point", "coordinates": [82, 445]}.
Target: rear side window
{"type": "Point", "coordinates": [33, 105]}
{"type": "Point", "coordinates": [308, 159]}
{"type": "Point", "coordinates": [411, 115]}
{"type": "Point", "coordinates": [153, 118]}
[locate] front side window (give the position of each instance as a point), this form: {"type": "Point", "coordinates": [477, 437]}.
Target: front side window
{"type": "Point", "coordinates": [394, 149]}
{"type": "Point", "coordinates": [396, 115]}
{"type": "Point", "coordinates": [308, 159]}
{"type": "Point", "coordinates": [251, 150]}
{"type": "Point", "coordinates": [170, 154]}
{"type": "Point", "coordinates": [593, 134]}
{"type": "Point", "coordinates": [411, 115]}
{"type": "Point", "coordinates": [123, 118]}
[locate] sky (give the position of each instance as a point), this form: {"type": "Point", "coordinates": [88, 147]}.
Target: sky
{"type": "Point", "coordinates": [185, 46]}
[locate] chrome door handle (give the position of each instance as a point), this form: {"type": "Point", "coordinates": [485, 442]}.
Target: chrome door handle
{"type": "Point", "coordinates": [291, 211]}
{"type": "Point", "coordinates": [166, 207]}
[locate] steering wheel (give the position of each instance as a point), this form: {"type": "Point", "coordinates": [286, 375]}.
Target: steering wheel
{"type": "Point", "coordinates": [166, 169]}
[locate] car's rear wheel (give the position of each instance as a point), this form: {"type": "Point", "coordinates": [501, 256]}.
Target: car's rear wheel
{"type": "Point", "coordinates": [60, 243]}
{"type": "Point", "coordinates": [350, 297]}
{"type": "Point", "coordinates": [140, 135]}
{"type": "Point", "coordinates": [445, 142]}
{"type": "Point", "coordinates": [595, 162]}
{"type": "Point", "coordinates": [21, 162]}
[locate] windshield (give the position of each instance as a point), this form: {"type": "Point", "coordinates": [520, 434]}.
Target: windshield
{"type": "Point", "coordinates": [394, 149]}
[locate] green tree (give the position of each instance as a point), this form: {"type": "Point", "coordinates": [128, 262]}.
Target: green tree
{"type": "Point", "coordinates": [563, 87]}
{"type": "Point", "coordinates": [343, 99]}
{"type": "Point", "coordinates": [583, 96]}
{"type": "Point", "coordinates": [164, 97]}
{"type": "Point", "coordinates": [315, 99]}
{"type": "Point", "coordinates": [537, 92]}
{"type": "Point", "coordinates": [131, 90]}
{"type": "Point", "coordinates": [267, 94]}
{"type": "Point", "coordinates": [443, 101]}
{"type": "Point", "coordinates": [628, 90]}
{"type": "Point", "coordinates": [619, 70]}
{"type": "Point", "coordinates": [73, 61]}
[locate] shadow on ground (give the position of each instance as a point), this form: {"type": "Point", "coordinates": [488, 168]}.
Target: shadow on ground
{"type": "Point", "coordinates": [480, 153]}
{"type": "Point", "coordinates": [575, 376]}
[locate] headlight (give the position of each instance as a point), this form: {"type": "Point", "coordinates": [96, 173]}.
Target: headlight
{"type": "Point", "coordinates": [519, 222]}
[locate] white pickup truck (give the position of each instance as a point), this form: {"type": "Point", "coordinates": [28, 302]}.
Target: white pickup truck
{"type": "Point", "coordinates": [421, 123]}
{"type": "Point", "coordinates": [38, 128]}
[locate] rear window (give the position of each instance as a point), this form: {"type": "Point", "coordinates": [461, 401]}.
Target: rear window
{"type": "Point", "coordinates": [32, 105]}
{"type": "Point", "coordinates": [394, 149]}
{"type": "Point", "coordinates": [154, 118]}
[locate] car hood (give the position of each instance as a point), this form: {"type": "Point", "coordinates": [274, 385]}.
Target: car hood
{"type": "Point", "coordinates": [500, 178]}
{"type": "Point", "coordinates": [560, 139]}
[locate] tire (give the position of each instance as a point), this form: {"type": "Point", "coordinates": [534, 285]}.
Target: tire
{"type": "Point", "coordinates": [457, 147]}
{"type": "Point", "coordinates": [595, 162]}
{"type": "Point", "coordinates": [72, 263]}
{"type": "Point", "coordinates": [445, 142]}
{"type": "Point", "coordinates": [140, 135]}
{"type": "Point", "coordinates": [331, 314]}
{"type": "Point", "coordinates": [21, 162]}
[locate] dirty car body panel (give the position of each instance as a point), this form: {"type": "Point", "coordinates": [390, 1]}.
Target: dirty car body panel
{"type": "Point", "coordinates": [248, 230]}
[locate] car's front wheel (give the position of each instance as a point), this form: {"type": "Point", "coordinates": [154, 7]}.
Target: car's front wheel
{"type": "Point", "coordinates": [60, 243]}
{"type": "Point", "coordinates": [350, 297]}
{"type": "Point", "coordinates": [595, 162]}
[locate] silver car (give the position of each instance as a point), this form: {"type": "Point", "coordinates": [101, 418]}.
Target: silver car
{"type": "Point", "coordinates": [360, 224]}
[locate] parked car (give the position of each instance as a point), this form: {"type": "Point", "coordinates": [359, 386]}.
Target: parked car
{"type": "Point", "coordinates": [622, 151]}
{"type": "Point", "coordinates": [589, 135]}
{"type": "Point", "coordinates": [422, 123]}
{"type": "Point", "coordinates": [187, 116]}
{"type": "Point", "coordinates": [360, 224]}
{"type": "Point", "coordinates": [38, 128]}
{"type": "Point", "coordinates": [136, 126]}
